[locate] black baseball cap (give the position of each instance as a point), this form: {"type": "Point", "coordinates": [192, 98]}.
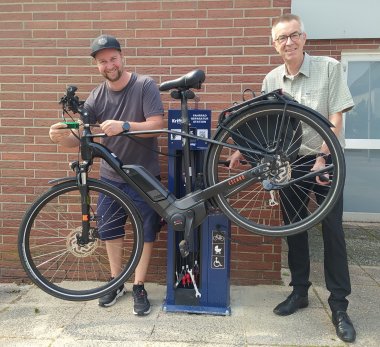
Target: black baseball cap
{"type": "Point", "coordinates": [103, 42]}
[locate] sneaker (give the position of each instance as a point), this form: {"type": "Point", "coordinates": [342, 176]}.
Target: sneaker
{"type": "Point", "coordinates": [110, 298]}
{"type": "Point", "coordinates": [141, 305]}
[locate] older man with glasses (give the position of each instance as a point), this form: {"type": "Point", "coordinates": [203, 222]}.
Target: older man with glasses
{"type": "Point", "coordinates": [316, 82]}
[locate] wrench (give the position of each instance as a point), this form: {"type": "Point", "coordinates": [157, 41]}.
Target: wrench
{"type": "Point", "coordinates": [179, 279]}
{"type": "Point", "coordinates": [197, 293]}
{"type": "Point", "coordinates": [272, 201]}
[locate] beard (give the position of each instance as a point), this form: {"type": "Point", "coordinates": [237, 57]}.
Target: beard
{"type": "Point", "coordinates": [113, 79]}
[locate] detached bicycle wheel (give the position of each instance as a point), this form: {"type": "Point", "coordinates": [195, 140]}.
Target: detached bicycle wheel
{"type": "Point", "coordinates": [285, 198]}
{"type": "Point", "coordinates": [52, 249]}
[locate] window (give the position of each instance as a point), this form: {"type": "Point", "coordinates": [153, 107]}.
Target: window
{"type": "Point", "coordinates": [362, 131]}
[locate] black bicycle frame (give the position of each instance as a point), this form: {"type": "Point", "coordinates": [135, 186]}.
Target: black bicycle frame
{"type": "Point", "coordinates": [188, 212]}
{"type": "Point", "coordinates": [156, 195]}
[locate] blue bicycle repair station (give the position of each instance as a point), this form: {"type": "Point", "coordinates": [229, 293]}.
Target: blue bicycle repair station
{"type": "Point", "coordinates": [200, 282]}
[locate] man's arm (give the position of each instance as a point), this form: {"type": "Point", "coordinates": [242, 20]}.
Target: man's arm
{"type": "Point", "coordinates": [337, 120]}
{"type": "Point", "coordinates": [114, 127]}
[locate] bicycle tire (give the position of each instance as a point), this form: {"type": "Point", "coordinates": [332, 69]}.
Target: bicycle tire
{"type": "Point", "coordinates": [51, 254]}
{"type": "Point", "coordinates": [265, 211]}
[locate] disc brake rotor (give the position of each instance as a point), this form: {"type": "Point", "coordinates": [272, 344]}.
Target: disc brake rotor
{"type": "Point", "coordinates": [77, 249]}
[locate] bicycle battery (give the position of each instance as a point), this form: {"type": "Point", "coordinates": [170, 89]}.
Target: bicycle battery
{"type": "Point", "coordinates": [146, 182]}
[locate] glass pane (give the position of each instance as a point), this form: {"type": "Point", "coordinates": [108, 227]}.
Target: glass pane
{"type": "Point", "coordinates": [362, 181]}
{"type": "Point", "coordinates": [363, 121]}
{"type": "Point", "coordinates": [374, 116]}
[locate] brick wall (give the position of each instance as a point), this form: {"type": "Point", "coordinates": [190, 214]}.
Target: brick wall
{"type": "Point", "coordinates": [44, 47]}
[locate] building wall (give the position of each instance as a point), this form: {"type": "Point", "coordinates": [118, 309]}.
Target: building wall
{"type": "Point", "coordinates": [44, 47]}
{"type": "Point", "coordinates": [347, 24]}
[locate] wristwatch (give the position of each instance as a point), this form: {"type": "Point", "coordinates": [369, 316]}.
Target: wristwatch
{"type": "Point", "coordinates": [126, 127]}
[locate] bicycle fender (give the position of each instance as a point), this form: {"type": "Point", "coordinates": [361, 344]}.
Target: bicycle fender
{"type": "Point", "coordinates": [315, 113]}
{"type": "Point", "coordinates": [269, 103]}
{"type": "Point", "coordinates": [62, 179]}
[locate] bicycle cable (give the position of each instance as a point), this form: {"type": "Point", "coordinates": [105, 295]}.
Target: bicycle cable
{"type": "Point", "coordinates": [64, 119]}
{"type": "Point", "coordinates": [130, 137]}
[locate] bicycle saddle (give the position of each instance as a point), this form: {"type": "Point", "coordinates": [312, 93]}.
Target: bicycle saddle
{"type": "Point", "coordinates": [192, 79]}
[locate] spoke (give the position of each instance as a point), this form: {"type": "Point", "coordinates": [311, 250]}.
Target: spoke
{"type": "Point", "coordinates": [44, 244]}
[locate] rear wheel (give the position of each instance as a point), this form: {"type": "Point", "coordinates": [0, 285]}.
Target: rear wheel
{"type": "Point", "coordinates": [286, 199]}
{"type": "Point", "coordinates": [52, 249]}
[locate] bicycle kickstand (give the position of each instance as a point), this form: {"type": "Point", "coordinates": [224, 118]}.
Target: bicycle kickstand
{"type": "Point", "coordinates": [187, 243]}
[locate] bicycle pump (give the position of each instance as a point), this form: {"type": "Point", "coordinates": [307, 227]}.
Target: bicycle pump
{"type": "Point", "coordinates": [199, 282]}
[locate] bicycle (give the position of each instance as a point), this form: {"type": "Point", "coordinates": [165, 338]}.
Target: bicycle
{"type": "Point", "coordinates": [59, 243]}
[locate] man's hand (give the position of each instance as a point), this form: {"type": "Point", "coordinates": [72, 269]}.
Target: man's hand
{"type": "Point", "coordinates": [112, 127]}
{"type": "Point", "coordinates": [234, 160]}
{"type": "Point", "coordinates": [320, 164]}
{"type": "Point", "coordinates": [59, 132]}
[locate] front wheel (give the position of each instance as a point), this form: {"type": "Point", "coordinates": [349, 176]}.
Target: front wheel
{"type": "Point", "coordinates": [286, 198]}
{"type": "Point", "coordinates": [52, 249]}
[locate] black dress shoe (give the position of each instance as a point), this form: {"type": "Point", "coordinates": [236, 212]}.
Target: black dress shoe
{"type": "Point", "coordinates": [291, 304]}
{"type": "Point", "coordinates": [343, 326]}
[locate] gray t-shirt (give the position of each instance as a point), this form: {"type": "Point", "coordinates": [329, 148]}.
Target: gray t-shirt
{"type": "Point", "coordinates": [319, 84]}
{"type": "Point", "coordinates": [139, 100]}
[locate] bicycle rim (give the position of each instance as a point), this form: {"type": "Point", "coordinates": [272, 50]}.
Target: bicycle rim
{"type": "Point", "coordinates": [286, 199]}
{"type": "Point", "coordinates": [50, 247]}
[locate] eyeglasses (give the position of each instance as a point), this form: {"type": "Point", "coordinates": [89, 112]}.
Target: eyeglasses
{"type": "Point", "coordinates": [284, 38]}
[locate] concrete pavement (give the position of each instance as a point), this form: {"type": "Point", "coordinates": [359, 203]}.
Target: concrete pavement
{"type": "Point", "coordinates": [29, 317]}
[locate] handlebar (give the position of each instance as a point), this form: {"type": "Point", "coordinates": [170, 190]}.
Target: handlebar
{"type": "Point", "coordinates": [70, 101]}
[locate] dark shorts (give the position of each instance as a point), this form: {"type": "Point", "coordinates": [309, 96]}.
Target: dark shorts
{"type": "Point", "coordinates": [115, 228]}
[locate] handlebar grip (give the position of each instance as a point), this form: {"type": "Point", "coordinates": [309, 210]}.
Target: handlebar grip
{"type": "Point", "coordinates": [72, 125]}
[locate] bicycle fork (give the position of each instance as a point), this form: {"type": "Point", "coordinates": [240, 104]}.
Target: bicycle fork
{"type": "Point", "coordinates": [83, 238]}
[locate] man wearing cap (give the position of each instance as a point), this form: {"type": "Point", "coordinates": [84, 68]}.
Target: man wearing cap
{"type": "Point", "coordinates": [125, 101]}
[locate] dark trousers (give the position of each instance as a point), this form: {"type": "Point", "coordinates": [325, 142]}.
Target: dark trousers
{"type": "Point", "coordinates": [335, 255]}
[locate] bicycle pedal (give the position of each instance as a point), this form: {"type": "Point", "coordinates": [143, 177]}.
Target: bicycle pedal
{"type": "Point", "coordinates": [184, 248]}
